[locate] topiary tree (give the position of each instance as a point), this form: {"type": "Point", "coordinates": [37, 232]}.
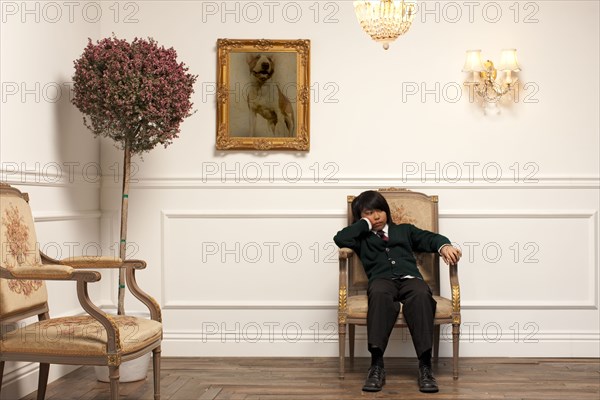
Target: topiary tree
{"type": "Point", "coordinates": [137, 94]}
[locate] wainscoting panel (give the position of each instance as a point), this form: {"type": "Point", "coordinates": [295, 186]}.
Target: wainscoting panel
{"type": "Point", "coordinates": [260, 276]}
{"type": "Point", "coordinates": [250, 257]}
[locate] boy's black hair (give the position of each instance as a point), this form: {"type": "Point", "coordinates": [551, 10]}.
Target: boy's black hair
{"type": "Point", "coordinates": [370, 200]}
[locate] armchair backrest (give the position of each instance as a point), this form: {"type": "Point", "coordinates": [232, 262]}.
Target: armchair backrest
{"type": "Point", "coordinates": [406, 207]}
{"type": "Point", "coordinates": [19, 249]}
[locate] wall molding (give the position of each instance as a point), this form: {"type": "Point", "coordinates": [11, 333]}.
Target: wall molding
{"type": "Point", "coordinates": [450, 214]}
{"type": "Point", "coordinates": [524, 214]}
{"type": "Point", "coordinates": [66, 216]}
{"type": "Point", "coordinates": [255, 305]}
{"type": "Point", "coordinates": [325, 344]}
{"type": "Point", "coordinates": [350, 182]}
{"type": "Point", "coordinates": [590, 215]}
{"type": "Point", "coordinates": [244, 214]}
{"type": "Point", "coordinates": [52, 174]}
{"type": "Point", "coordinates": [593, 237]}
{"type": "Point", "coordinates": [18, 373]}
{"type": "Point", "coordinates": [166, 215]}
{"type": "Point", "coordinates": [308, 305]}
{"type": "Point", "coordinates": [325, 336]}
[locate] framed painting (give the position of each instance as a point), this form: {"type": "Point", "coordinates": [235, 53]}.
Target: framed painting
{"type": "Point", "coordinates": [263, 94]}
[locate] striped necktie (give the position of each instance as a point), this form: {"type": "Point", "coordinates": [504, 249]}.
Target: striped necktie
{"type": "Point", "coordinates": [382, 235]}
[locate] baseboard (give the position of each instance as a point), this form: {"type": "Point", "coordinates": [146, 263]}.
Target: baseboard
{"type": "Point", "coordinates": [22, 380]}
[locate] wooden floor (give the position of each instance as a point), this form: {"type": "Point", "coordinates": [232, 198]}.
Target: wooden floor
{"type": "Point", "coordinates": [316, 379]}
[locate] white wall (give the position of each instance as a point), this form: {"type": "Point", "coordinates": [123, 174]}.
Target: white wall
{"type": "Point", "coordinates": [528, 184]}
{"type": "Point", "coordinates": [44, 148]}
{"type": "Point", "coordinates": [527, 176]}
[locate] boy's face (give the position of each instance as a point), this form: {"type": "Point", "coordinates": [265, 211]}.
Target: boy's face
{"type": "Point", "coordinates": [377, 218]}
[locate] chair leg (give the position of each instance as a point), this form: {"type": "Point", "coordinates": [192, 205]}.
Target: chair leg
{"type": "Point", "coordinates": [436, 343]}
{"type": "Point", "coordinates": [351, 336]}
{"type": "Point", "coordinates": [342, 347]}
{"type": "Point", "coordinates": [113, 375]}
{"type": "Point", "coordinates": [43, 381]}
{"type": "Point", "coordinates": [455, 341]}
{"type": "Point", "coordinates": [1, 374]}
{"type": "Point", "coordinates": [156, 370]}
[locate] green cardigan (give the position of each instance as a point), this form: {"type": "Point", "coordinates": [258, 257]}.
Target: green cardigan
{"type": "Point", "coordinates": [392, 258]}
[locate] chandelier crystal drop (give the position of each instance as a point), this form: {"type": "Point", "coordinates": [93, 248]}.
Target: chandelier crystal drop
{"type": "Point", "coordinates": [384, 20]}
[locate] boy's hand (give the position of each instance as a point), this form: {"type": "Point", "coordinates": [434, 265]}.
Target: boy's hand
{"type": "Point", "coordinates": [450, 254]}
{"type": "Point", "coordinates": [377, 218]}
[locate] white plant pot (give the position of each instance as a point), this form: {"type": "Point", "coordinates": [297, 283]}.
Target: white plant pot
{"type": "Point", "coordinates": [129, 371]}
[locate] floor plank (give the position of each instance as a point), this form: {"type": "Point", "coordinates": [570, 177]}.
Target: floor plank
{"type": "Point", "coordinates": [317, 379]}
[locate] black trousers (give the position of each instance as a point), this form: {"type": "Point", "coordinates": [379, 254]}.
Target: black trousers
{"type": "Point", "coordinates": [418, 307]}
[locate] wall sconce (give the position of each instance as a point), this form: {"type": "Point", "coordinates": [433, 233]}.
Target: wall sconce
{"type": "Point", "coordinates": [384, 20]}
{"type": "Point", "coordinates": [485, 80]}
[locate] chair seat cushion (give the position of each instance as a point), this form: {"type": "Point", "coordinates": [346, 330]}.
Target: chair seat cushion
{"type": "Point", "coordinates": [80, 336]}
{"type": "Point", "coordinates": [358, 306]}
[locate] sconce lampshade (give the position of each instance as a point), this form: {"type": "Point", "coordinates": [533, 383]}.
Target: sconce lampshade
{"type": "Point", "coordinates": [384, 20]}
{"type": "Point", "coordinates": [473, 61]}
{"type": "Point", "coordinates": [485, 81]}
{"type": "Point", "coordinates": [508, 60]}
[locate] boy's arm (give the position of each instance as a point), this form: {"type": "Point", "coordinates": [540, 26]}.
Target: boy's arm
{"type": "Point", "coordinates": [427, 242]}
{"type": "Point", "coordinates": [351, 235]}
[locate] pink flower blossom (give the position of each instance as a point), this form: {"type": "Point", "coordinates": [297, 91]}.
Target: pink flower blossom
{"type": "Point", "coordinates": [134, 93]}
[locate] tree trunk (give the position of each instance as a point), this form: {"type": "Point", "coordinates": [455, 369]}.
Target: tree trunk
{"type": "Point", "coordinates": [124, 210]}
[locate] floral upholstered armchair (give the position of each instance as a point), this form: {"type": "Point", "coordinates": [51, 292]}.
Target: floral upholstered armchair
{"type": "Point", "coordinates": [95, 338]}
{"type": "Point", "coordinates": [422, 211]}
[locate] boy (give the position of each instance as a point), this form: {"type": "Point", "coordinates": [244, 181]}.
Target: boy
{"type": "Point", "coordinates": [386, 252]}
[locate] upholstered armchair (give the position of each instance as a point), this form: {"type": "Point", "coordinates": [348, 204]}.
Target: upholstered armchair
{"type": "Point", "coordinates": [94, 338]}
{"type": "Point", "coordinates": [422, 211]}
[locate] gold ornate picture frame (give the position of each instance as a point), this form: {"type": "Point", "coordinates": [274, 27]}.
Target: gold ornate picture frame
{"type": "Point", "coordinates": [263, 95]}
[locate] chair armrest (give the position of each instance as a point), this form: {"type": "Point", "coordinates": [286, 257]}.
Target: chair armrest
{"type": "Point", "coordinates": [49, 272]}
{"type": "Point", "coordinates": [345, 253]}
{"type": "Point", "coordinates": [138, 293]}
{"type": "Point", "coordinates": [92, 262]}
{"type": "Point", "coordinates": [130, 265]}
{"type": "Point", "coordinates": [453, 274]}
{"type": "Point", "coordinates": [83, 262]}
{"type": "Point", "coordinates": [135, 264]}
{"type": "Point", "coordinates": [455, 287]}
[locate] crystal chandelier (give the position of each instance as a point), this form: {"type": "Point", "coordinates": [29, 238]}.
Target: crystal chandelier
{"type": "Point", "coordinates": [384, 20]}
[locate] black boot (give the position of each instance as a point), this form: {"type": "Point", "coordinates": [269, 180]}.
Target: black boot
{"type": "Point", "coordinates": [375, 379]}
{"type": "Point", "coordinates": [427, 383]}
